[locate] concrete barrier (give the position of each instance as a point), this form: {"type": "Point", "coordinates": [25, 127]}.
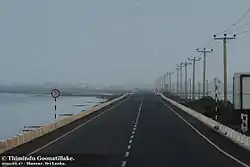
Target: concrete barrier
{"type": "Point", "coordinates": [233, 135]}
{"type": "Point", "coordinates": [3, 145]}
{"type": "Point", "coordinates": [31, 135]}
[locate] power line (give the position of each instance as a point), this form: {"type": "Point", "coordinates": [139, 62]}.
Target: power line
{"type": "Point", "coordinates": [239, 28]}
{"type": "Point", "coordinates": [234, 24]}
{"type": "Point", "coordinates": [243, 26]}
{"type": "Point", "coordinates": [242, 32]}
{"type": "Point", "coordinates": [209, 42]}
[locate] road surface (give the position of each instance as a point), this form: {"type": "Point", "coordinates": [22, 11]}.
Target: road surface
{"type": "Point", "coordinates": [140, 131]}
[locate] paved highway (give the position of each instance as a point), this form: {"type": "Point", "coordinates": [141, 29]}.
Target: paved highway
{"type": "Point", "coordinates": [139, 131]}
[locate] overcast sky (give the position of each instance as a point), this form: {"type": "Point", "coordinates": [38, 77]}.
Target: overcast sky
{"type": "Point", "coordinates": [115, 41]}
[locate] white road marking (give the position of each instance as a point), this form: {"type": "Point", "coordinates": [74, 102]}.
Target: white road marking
{"type": "Point", "coordinates": [204, 137]}
{"type": "Point", "coordinates": [127, 154]}
{"type": "Point", "coordinates": [138, 115]}
{"type": "Point", "coordinates": [66, 134]}
{"type": "Point", "coordinates": [124, 163]}
{"type": "Point", "coordinates": [133, 132]}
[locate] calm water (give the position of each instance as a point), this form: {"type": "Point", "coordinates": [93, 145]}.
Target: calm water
{"type": "Point", "coordinates": [19, 110]}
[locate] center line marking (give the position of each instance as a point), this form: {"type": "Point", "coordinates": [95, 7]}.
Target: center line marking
{"type": "Point", "coordinates": [133, 133]}
{"type": "Point", "coordinates": [127, 154]}
{"type": "Point", "coordinates": [138, 115]}
{"type": "Point", "coordinates": [124, 163]}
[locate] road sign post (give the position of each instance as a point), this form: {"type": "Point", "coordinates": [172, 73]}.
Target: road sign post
{"type": "Point", "coordinates": [55, 93]}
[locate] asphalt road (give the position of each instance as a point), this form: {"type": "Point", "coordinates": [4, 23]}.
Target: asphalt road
{"type": "Point", "coordinates": [139, 131]}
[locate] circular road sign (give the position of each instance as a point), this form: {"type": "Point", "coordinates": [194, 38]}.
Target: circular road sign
{"type": "Point", "coordinates": [55, 93]}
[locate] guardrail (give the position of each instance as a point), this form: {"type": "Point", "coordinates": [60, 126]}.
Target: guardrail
{"type": "Point", "coordinates": [231, 134]}
{"type": "Point", "coordinates": [31, 135]}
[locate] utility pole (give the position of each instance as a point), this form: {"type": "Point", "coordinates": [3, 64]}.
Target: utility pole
{"type": "Point", "coordinates": [162, 82]}
{"type": "Point", "coordinates": [207, 87]}
{"type": "Point", "coordinates": [177, 79]}
{"type": "Point", "coordinates": [199, 90]}
{"type": "Point", "coordinates": [166, 82]}
{"type": "Point", "coordinates": [156, 84]}
{"type": "Point", "coordinates": [170, 82]}
{"type": "Point", "coordinates": [194, 59]}
{"type": "Point", "coordinates": [225, 38]}
{"type": "Point", "coordinates": [190, 87]}
{"type": "Point", "coordinates": [204, 51]}
{"type": "Point", "coordinates": [180, 66]}
{"type": "Point", "coordinates": [185, 65]}
{"type": "Point", "coordinates": [159, 83]}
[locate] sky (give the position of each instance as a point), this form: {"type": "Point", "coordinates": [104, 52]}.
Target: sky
{"type": "Point", "coordinates": [116, 41]}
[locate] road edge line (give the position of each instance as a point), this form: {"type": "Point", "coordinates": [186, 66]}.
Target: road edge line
{"type": "Point", "coordinates": [205, 138]}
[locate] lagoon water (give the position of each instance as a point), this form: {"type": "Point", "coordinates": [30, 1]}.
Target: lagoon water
{"type": "Point", "coordinates": [19, 110]}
